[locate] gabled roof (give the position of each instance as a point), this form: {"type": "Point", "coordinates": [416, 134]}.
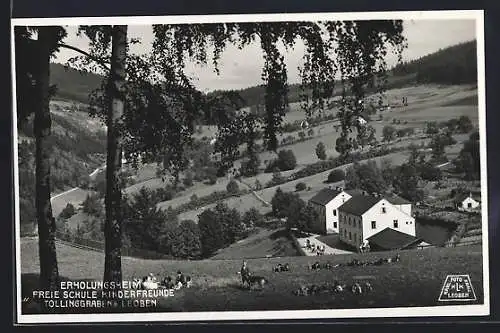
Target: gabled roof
{"type": "Point", "coordinates": [325, 196]}
{"type": "Point", "coordinates": [396, 200]}
{"type": "Point", "coordinates": [390, 239]}
{"type": "Point", "coordinates": [359, 204]}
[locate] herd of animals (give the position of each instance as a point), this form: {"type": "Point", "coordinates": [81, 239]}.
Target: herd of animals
{"type": "Point", "coordinates": [249, 280]}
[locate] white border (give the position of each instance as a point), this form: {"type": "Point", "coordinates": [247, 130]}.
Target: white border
{"type": "Point", "coordinates": [444, 311]}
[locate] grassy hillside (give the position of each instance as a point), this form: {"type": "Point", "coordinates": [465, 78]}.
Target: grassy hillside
{"type": "Point", "coordinates": [414, 281]}
{"type": "Point", "coordinates": [78, 147]}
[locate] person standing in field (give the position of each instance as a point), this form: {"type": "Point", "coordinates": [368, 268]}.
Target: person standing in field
{"type": "Point", "coordinates": [245, 272]}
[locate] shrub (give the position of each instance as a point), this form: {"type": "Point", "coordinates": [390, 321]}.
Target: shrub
{"type": "Point", "coordinates": [276, 180]}
{"type": "Point", "coordinates": [232, 187]}
{"type": "Point", "coordinates": [286, 160]}
{"type": "Point", "coordinates": [388, 132]}
{"type": "Point", "coordinates": [300, 186]}
{"type": "Point", "coordinates": [67, 212]}
{"type": "Point", "coordinates": [188, 180]}
{"type": "Point", "coordinates": [336, 176]}
{"type": "Point", "coordinates": [252, 218]}
{"type": "Point", "coordinates": [321, 151]}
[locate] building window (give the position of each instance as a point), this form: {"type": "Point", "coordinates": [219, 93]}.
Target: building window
{"type": "Point", "coordinates": [359, 224]}
{"type": "Point", "coordinates": [335, 224]}
{"type": "Point", "coordinates": [350, 236]}
{"type": "Point", "coordinates": [360, 239]}
{"type": "Point", "coordinates": [334, 212]}
{"type": "Point", "coordinates": [469, 205]}
{"type": "Point", "coordinates": [395, 223]}
{"type": "Point", "coordinates": [355, 236]}
{"type": "Point", "coordinates": [345, 233]}
{"type": "Point", "coordinates": [383, 210]}
{"type": "Point", "coordinates": [374, 225]}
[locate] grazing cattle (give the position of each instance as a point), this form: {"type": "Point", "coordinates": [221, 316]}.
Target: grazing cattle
{"type": "Point", "coordinates": [281, 268]}
{"type": "Point", "coordinates": [315, 266]}
{"type": "Point", "coordinates": [253, 280]}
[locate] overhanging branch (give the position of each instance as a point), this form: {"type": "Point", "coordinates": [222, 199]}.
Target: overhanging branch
{"type": "Point", "coordinates": [100, 61]}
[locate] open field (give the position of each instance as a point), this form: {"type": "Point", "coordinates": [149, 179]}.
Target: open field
{"type": "Point", "coordinates": [74, 197]}
{"type": "Point", "coordinates": [425, 104]}
{"type": "Point", "coordinates": [315, 182]}
{"type": "Point", "coordinates": [265, 242]}
{"type": "Point", "coordinates": [414, 281]}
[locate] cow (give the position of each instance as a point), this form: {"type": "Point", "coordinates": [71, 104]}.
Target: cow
{"type": "Point", "coordinates": [254, 280]}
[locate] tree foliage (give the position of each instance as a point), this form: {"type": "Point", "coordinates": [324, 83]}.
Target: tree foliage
{"type": "Point", "coordinates": [366, 176]}
{"type": "Point", "coordinates": [321, 151]}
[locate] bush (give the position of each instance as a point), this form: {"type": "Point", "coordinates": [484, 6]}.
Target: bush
{"type": "Point", "coordinates": [300, 186]}
{"type": "Point", "coordinates": [232, 187]}
{"type": "Point", "coordinates": [276, 180]}
{"type": "Point", "coordinates": [67, 212]}
{"type": "Point", "coordinates": [252, 218]}
{"type": "Point", "coordinates": [92, 205]}
{"type": "Point", "coordinates": [336, 176]}
{"type": "Point", "coordinates": [388, 132]}
{"type": "Point", "coordinates": [188, 180]}
{"type": "Point", "coordinates": [321, 151]}
{"type": "Point", "coordinates": [286, 160]}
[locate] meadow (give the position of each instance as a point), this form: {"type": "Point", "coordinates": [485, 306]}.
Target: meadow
{"type": "Point", "coordinates": [416, 280]}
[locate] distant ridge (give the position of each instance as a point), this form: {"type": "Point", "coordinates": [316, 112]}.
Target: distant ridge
{"type": "Point", "coordinates": [452, 65]}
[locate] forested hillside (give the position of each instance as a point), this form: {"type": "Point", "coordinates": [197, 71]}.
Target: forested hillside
{"type": "Point", "coordinates": [454, 65]}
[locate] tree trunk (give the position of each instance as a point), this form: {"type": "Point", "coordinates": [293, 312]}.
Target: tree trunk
{"type": "Point", "coordinates": [49, 274]}
{"type": "Point", "coordinates": [112, 229]}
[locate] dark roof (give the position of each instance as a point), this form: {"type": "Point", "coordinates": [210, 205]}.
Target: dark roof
{"type": "Point", "coordinates": [359, 204]}
{"type": "Point", "coordinates": [396, 200]}
{"type": "Point", "coordinates": [325, 196]}
{"type": "Point", "coordinates": [390, 239]}
{"type": "Point", "coordinates": [462, 196]}
{"type": "Point", "coordinates": [353, 192]}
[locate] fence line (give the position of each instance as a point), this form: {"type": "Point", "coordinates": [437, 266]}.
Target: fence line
{"type": "Point", "coordinates": [99, 246]}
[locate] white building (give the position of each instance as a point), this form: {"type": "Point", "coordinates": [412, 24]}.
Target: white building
{"type": "Point", "coordinates": [326, 203]}
{"type": "Point", "coordinates": [364, 216]}
{"type": "Point", "coordinates": [467, 203]}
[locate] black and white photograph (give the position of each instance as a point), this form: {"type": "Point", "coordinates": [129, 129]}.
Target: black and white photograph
{"type": "Point", "coordinates": [250, 167]}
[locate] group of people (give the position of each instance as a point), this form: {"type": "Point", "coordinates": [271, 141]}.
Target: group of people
{"type": "Point", "coordinates": [336, 287]}
{"type": "Point", "coordinates": [377, 262]}
{"type": "Point", "coordinates": [319, 249]}
{"type": "Point", "coordinates": [151, 282]}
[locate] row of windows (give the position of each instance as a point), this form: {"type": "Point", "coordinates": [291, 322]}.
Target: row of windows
{"type": "Point", "coordinates": [351, 237]}
{"type": "Point", "coordinates": [373, 223]}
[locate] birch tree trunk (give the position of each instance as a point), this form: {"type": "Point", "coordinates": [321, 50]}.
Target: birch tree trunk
{"type": "Point", "coordinates": [113, 227]}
